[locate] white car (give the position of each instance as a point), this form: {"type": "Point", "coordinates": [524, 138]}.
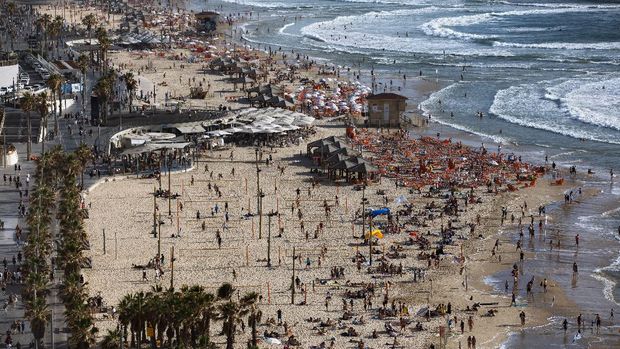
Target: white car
{"type": "Point", "coordinates": [3, 91]}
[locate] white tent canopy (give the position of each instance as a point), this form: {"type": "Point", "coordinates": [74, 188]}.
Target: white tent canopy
{"type": "Point", "coordinates": [269, 120]}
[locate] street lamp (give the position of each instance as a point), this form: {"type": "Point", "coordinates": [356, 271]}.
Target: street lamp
{"type": "Point", "coordinates": [271, 214]}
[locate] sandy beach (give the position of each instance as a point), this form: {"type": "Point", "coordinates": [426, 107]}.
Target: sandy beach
{"type": "Point", "coordinates": [124, 208]}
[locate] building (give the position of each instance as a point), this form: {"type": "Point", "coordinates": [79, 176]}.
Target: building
{"type": "Point", "coordinates": [385, 109]}
{"type": "Point", "coordinates": [206, 21]}
{"type": "Point", "coordinates": [9, 70]}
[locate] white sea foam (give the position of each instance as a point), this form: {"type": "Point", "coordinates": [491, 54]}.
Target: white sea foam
{"type": "Point", "coordinates": [282, 31]}
{"type": "Point", "coordinates": [352, 32]}
{"type": "Point", "coordinates": [442, 27]}
{"type": "Point", "coordinates": [270, 4]}
{"type": "Point", "coordinates": [604, 110]}
{"type": "Point", "coordinates": [550, 106]}
{"type": "Point", "coordinates": [401, 2]}
{"type": "Point", "coordinates": [426, 107]}
{"type": "Point", "coordinates": [613, 45]}
{"type": "Point", "coordinates": [612, 212]}
{"type": "Point", "coordinates": [608, 284]}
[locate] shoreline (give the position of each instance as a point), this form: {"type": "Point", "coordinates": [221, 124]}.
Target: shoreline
{"type": "Point", "coordinates": [482, 275]}
{"type": "Point", "coordinates": [542, 316]}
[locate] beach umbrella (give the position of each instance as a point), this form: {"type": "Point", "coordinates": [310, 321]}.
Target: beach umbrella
{"type": "Point", "coordinates": [376, 233]}
{"type": "Point", "coordinates": [381, 211]}
{"type": "Point", "coordinates": [400, 200]}
{"type": "Point", "coordinates": [272, 341]}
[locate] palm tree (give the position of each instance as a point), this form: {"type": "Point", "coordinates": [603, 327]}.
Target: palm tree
{"type": "Point", "coordinates": [54, 83]}
{"type": "Point", "coordinates": [112, 340]}
{"type": "Point", "coordinates": [37, 312]}
{"type": "Point", "coordinates": [83, 62]}
{"type": "Point", "coordinates": [104, 45]}
{"type": "Point", "coordinates": [43, 24]}
{"type": "Point", "coordinates": [254, 318]}
{"type": "Point", "coordinates": [28, 104]}
{"type": "Point", "coordinates": [83, 155]}
{"type": "Point", "coordinates": [10, 8]}
{"type": "Point", "coordinates": [132, 312]}
{"type": "Point", "coordinates": [226, 291]}
{"type": "Point", "coordinates": [90, 21]}
{"type": "Point", "coordinates": [131, 84]}
{"type": "Point", "coordinates": [231, 314]}
{"type": "Point", "coordinates": [41, 107]}
{"type": "Point", "coordinates": [105, 90]}
{"type": "Point", "coordinates": [58, 25]}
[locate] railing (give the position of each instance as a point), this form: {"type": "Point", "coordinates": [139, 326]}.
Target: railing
{"type": "Point", "coordinates": [8, 62]}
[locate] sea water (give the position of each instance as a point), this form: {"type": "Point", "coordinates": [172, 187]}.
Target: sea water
{"type": "Point", "coordinates": [544, 74]}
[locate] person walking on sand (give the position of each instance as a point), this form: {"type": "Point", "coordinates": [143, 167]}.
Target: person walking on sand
{"type": "Point", "coordinates": [577, 239]}
{"type": "Point", "coordinates": [462, 327]}
{"type": "Point", "coordinates": [565, 326]}
{"type": "Point", "coordinates": [473, 342]}
{"type": "Point", "coordinates": [598, 323]}
{"type": "Point", "coordinates": [522, 316]}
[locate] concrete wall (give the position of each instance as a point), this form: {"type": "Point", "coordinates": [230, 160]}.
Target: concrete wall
{"type": "Point", "coordinates": [7, 74]}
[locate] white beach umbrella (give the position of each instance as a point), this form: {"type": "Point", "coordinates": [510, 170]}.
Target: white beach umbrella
{"type": "Point", "coordinates": [273, 341]}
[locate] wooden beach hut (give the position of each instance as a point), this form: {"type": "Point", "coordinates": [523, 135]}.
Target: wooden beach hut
{"type": "Point", "coordinates": [385, 109]}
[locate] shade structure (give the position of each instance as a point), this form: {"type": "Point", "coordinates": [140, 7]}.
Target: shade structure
{"type": "Point", "coordinates": [364, 168]}
{"type": "Point", "coordinates": [155, 146]}
{"type": "Point", "coordinates": [218, 133]}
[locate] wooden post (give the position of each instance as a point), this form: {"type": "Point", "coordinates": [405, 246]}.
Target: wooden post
{"type": "Point", "coordinates": [353, 229]}
{"type": "Point", "coordinates": [260, 215]}
{"type": "Point", "coordinates": [293, 279]}
{"type": "Point", "coordinates": [247, 256]}
{"type": "Point", "coordinates": [246, 186]}
{"type": "Point", "coordinates": [431, 287]}
{"type": "Point", "coordinates": [115, 246]}
{"type": "Point", "coordinates": [103, 241]}
{"type": "Point", "coordinates": [268, 293]}
{"type": "Point", "coordinates": [159, 236]}
{"type": "Point", "coordinates": [277, 204]}
{"type": "Point", "coordinates": [370, 242]}
{"type": "Point", "coordinates": [172, 267]}
{"type": "Point", "coordinates": [178, 223]}
{"type": "Point", "coordinates": [252, 227]}
{"type": "Point", "coordinates": [346, 205]}
{"type": "Point", "coordinates": [169, 186]}
{"type": "Point", "coordinates": [154, 211]}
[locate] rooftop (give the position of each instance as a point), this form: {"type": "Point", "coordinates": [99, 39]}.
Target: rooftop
{"type": "Point", "coordinates": [387, 96]}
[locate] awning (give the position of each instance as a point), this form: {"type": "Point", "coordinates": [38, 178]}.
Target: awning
{"type": "Point", "coordinates": [190, 129]}
{"type": "Point", "coordinates": [151, 147]}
